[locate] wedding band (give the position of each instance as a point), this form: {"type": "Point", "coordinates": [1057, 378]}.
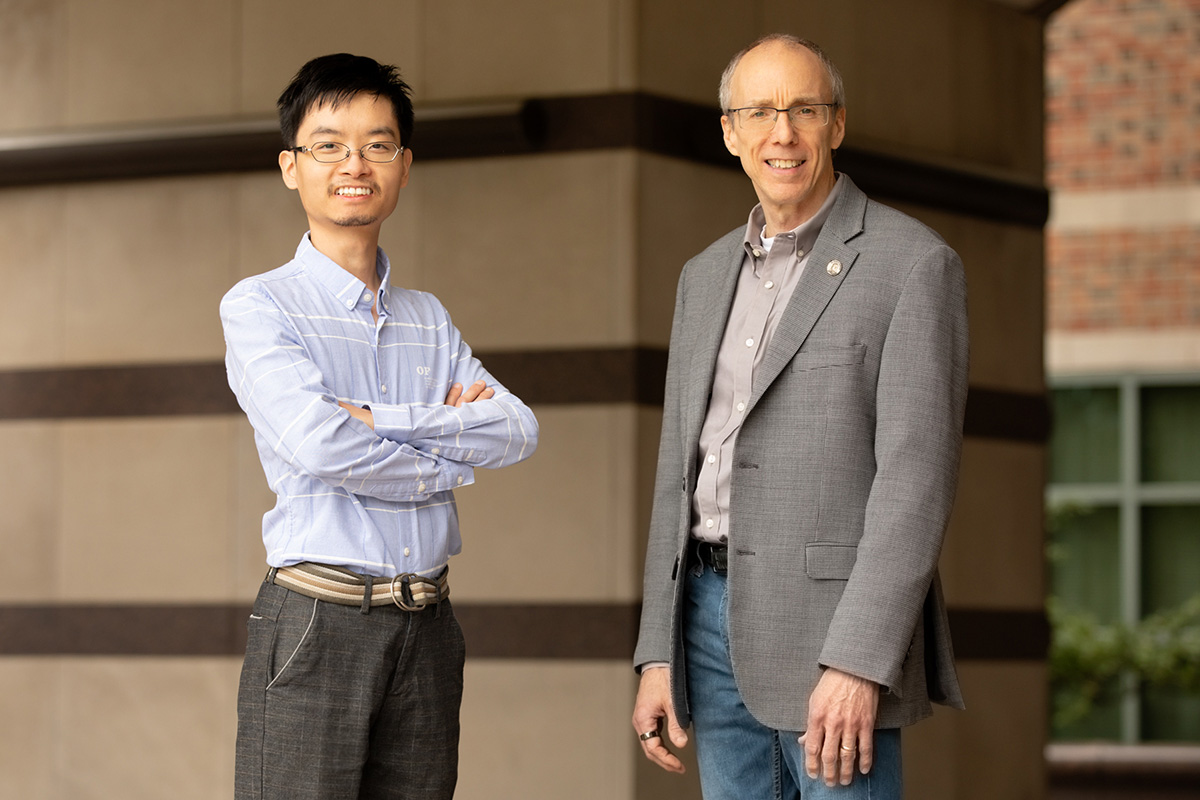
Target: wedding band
{"type": "Point", "coordinates": [847, 749]}
{"type": "Point", "coordinates": [648, 735]}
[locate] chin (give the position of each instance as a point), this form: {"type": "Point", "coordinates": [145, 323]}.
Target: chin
{"type": "Point", "coordinates": [356, 222]}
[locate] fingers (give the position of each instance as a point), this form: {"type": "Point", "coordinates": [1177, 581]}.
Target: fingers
{"type": "Point", "coordinates": [650, 710]}
{"type": "Point", "coordinates": [831, 758]}
{"type": "Point", "coordinates": [479, 390]}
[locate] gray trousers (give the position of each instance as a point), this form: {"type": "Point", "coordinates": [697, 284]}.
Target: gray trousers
{"type": "Point", "coordinates": [337, 704]}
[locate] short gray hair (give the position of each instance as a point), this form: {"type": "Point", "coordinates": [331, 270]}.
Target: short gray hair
{"type": "Point", "coordinates": [835, 77]}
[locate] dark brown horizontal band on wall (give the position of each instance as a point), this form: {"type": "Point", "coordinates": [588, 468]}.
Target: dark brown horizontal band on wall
{"type": "Point", "coordinates": [550, 377]}
{"type": "Point", "coordinates": [533, 631]}
{"type": "Point", "coordinates": [636, 120]}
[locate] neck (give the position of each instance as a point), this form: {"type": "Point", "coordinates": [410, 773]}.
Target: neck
{"type": "Point", "coordinates": [785, 218]}
{"type": "Point", "coordinates": [353, 252]}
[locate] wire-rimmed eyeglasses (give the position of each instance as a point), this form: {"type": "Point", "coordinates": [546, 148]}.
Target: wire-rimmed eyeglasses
{"type": "Point", "coordinates": [333, 152]}
{"type": "Point", "coordinates": [765, 116]}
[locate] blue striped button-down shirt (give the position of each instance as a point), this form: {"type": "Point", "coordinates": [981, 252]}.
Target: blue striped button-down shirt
{"type": "Point", "coordinates": [301, 338]}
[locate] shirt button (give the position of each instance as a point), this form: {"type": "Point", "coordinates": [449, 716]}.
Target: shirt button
{"type": "Point", "coordinates": [407, 552]}
{"type": "Point", "coordinates": [460, 480]}
{"type": "Point", "coordinates": [708, 523]}
{"type": "Point", "coordinates": [799, 253]}
{"type": "Point", "coordinates": [367, 297]}
{"type": "Point", "coordinates": [769, 285]}
{"type": "Point", "coordinates": [749, 343]}
{"type": "Point", "coordinates": [741, 406]}
{"type": "Point", "coordinates": [712, 458]}
{"type": "Point", "coordinates": [383, 388]}
{"type": "Point", "coordinates": [421, 488]}
{"type": "Point", "coordinates": [436, 451]}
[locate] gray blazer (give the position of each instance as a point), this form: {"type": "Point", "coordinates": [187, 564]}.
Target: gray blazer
{"type": "Point", "coordinates": [844, 470]}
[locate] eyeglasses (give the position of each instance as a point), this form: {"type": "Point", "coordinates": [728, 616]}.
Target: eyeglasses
{"type": "Point", "coordinates": [333, 152]}
{"type": "Point", "coordinates": [762, 117]}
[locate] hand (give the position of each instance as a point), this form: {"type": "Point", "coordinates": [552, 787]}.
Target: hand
{"type": "Point", "coordinates": [476, 391]}
{"type": "Point", "coordinates": [363, 415]}
{"type": "Point", "coordinates": [841, 725]}
{"type": "Point", "coordinates": [653, 704]}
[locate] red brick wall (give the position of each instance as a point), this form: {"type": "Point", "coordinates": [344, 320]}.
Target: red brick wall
{"type": "Point", "coordinates": [1123, 112]}
{"type": "Point", "coordinates": [1123, 94]}
{"type": "Point", "coordinates": [1124, 279]}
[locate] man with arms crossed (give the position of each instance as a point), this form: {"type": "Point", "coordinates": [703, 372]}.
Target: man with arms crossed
{"type": "Point", "coordinates": [809, 456]}
{"type": "Point", "coordinates": [368, 409]}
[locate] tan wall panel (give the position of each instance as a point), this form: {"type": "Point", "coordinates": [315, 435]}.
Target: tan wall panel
{"type": "Point", "coordinates": [994, 548]}
{"type": "Point", "coordinates": [560, 526]}
{"type": "Point", "coordinates": [144, 729]}
{"type": "Point", "coordinates": [145, 511]}
{"type": "Point", "coordinates": [683, 50]}
{"type": "Point", "coordinates": [993, 750]}
{"type": "Point", "coordinates": [520, 48]}
{"type": "Point", "coordinates": [149, 62]}
{"type": "Point", "coordinates": [33, 265]}
{"type": "Point", "coordinates": [149, 262]}
{"type": "Point", "coordinates": [32, 64]}
{"type": "Point", "coordinates": [278, 36]}
{"type": "Point", "coordinates": [682, 208]}
{"type": "Point", "coordinates": [29, 496]}
{"type": "Point", "coordinates": [530, 251]}
{"type": "Point", "coordinates": [30, 757]}
{"type": "Point", "coordinates": [546, 731]}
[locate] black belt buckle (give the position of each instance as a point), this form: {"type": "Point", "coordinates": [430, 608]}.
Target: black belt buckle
{"type": "Point", "coordinates": [714, 556]}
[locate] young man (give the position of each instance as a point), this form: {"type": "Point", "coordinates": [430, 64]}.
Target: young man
{"type": "Point", "coordinates": [368, 409]}
{"type": "Point", "coordinates": [807, 467]}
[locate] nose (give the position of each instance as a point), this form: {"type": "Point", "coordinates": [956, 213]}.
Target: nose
{"type": "Point", "coordinates": [355, 164]}
{"type": "Point", "coordinates": [783, 131]}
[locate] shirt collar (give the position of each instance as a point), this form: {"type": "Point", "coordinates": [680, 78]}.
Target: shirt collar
{"type": "Point", "coordinates": [348, 290]}
{"type": "Point", "coordinates": [799, 240]}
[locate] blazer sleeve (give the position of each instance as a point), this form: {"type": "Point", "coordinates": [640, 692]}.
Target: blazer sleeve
{"type": "Point", "coordinates": [920, 400]}
{"type": "Point", "coordinates": [670, 503]}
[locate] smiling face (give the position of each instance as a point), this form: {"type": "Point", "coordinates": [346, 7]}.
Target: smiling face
{"type": "Point", "coordinates": [352, 197]}
{"type": "Point", "coordinates": [791, 166]}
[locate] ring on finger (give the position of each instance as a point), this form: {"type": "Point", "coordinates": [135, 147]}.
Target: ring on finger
{"type": "Point", "coordinates": [848, 749]}
{"type": "Point", "coordinates": [648, 735]}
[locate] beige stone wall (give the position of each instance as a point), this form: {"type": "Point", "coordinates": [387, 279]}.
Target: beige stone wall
{"type": "Point", "coordinates": [532, 252]}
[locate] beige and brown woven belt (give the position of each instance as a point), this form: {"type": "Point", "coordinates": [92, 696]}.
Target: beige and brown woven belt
{"type": "Point", "coordinates": [409, 591]}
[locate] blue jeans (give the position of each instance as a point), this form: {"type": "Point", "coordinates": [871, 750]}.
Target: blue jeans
{"type": "Point", "coordinates": [739, 757]}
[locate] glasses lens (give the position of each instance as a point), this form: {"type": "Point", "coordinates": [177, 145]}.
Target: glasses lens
{"type": "Point", "coordinates": [329, 152]}
{"type": "Point", "coordinates": [757, 117]}
{"type": "Point", "coordinates": [808, 115]}
{"type": "Point", "coordinates": [381, 152]}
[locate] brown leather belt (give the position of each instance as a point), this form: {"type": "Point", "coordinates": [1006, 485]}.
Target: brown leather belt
{"type": "Point", "coordinates": [409, 591]}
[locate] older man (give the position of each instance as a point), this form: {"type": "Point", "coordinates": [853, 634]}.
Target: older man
{"type": "Point", "coordinates": [807, 468]}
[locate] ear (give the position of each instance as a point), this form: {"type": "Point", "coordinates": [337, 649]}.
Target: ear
{"type": "Point", "coordinates": [287, 166]}
{"type": "Point", "coordinates": [839, 129]}
{"type": "Point", "coordinates": [727, 129]}
{"type": "Point", "coordinates": [405, 163]}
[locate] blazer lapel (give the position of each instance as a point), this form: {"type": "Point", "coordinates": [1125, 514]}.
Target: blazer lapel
{"type": "Point", "coordinates": [707, 304]}
{"type": "Point", "coordinates": [828, 265]}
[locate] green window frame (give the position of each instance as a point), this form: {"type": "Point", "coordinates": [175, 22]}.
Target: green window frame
{"type": "Point", "coordinates": [1123, 520]}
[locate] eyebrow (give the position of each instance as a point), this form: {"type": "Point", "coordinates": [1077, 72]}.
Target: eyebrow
{"type": "Point", "coordinates": [324, 131]}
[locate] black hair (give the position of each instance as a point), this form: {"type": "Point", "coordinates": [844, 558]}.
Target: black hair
{"type": "Point", "coordinates": [337, 78]}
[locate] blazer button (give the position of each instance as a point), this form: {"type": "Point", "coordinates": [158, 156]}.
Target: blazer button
{"type": "Point", "coordinates": [833, 267]}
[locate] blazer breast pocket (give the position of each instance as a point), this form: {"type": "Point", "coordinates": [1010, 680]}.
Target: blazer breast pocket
{"type": "Point", "coordinates": [829, 561]}
{"type": "Point", "coordinates": [848, 356]}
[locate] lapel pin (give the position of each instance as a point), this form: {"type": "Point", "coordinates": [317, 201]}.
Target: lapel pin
{"type": "Point", "coordinates": [833, 267]}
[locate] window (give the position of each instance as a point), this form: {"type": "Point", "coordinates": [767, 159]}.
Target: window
{"type": "Point", "coordinates": [1123, 519]}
